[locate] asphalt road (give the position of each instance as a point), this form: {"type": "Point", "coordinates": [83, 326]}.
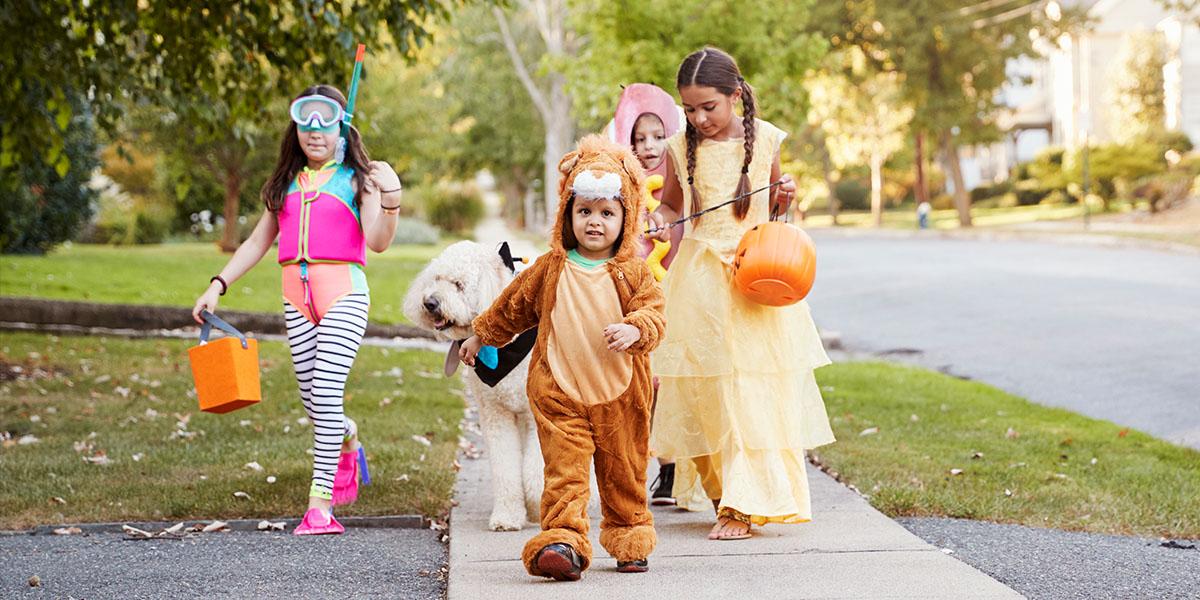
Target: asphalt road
{"type": "Point", "coordinates": [1066, 565]}
{"type": "Point", "coordinates": [362, 563]}
{"type": "Point", "coordinates": [1113, 333]}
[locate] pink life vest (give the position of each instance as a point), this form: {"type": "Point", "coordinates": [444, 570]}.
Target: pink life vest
{"type": "Point", "coordinates": [321, 224]}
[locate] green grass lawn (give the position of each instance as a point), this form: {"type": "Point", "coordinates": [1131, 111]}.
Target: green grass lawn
{"type": "Point", "coordinates": [175, 274]}
{"type": "Point", "coordinates": [127, 398]}
{"type": "Point", "coordinates": [1056, 469]}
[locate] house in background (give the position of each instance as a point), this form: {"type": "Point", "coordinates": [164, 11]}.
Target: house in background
{"type": "Point", "coordinates": [1066, 96]}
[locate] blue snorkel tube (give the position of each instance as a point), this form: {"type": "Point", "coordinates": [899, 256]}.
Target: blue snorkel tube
{"type": "Point", "coordinates": [348, 114]}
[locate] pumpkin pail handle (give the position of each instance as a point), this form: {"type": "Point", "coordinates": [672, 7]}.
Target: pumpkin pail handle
{"type": "Point", "coordinates": [210, 320]}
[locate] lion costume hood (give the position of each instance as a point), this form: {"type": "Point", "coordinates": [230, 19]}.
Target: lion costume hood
{"type": "Point", "coordinates": [598, 168]}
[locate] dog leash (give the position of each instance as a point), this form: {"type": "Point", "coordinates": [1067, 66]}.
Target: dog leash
{"type": "Point", "coordinates": [683, 220]}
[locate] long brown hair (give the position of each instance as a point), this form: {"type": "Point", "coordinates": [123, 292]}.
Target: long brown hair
{"type": "Point", "coordinates": [292, 157]}
{"type": "Point", "coordinates": [712, 67]}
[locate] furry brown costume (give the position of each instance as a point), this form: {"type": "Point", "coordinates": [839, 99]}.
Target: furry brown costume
{"type": "Point", "coordinates": [573, 433]}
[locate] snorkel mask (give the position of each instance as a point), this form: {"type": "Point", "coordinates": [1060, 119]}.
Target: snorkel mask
{"type": "Point", "coordinates": [324, 114]}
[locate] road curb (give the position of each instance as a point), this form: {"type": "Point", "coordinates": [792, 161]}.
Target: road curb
{"type": "Point", "coordinates": [86, 315]}
{"type": "Point", "coordinates": [1102, 240]}
{"type": "Point", "coordinates": [379, 522]}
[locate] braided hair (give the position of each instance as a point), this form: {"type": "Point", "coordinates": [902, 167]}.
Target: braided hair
{"type": "Point", "coordinates": [712, 67]}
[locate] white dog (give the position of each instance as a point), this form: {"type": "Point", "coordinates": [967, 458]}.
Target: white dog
{"type": "Point", "coordinates": [445, 297]}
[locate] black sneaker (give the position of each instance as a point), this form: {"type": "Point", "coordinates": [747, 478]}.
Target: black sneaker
{"type": "Point", "coordinates": [559, 562]}
{"type": "Point", "coordinates": [633, 566]}
{"type": "Point", "coordinates": [661, 488]}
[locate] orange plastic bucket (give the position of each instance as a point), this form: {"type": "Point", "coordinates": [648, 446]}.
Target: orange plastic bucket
{"type": "Point", "coordinates": [225, 371]}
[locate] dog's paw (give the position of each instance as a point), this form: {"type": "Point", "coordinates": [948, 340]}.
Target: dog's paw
{"type": "Point", "coordinates": [506, 522]}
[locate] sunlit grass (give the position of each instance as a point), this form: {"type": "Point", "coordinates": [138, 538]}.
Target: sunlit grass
{"type": "Point", "coordinates": [126, 398]}
{"type": "Point", "coordinates": [175, 274]}
{"type": "Point", "coordinates": [1055, 469]}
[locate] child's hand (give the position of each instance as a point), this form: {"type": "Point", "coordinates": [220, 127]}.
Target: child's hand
{"type": "Point", "coordinates": [658, 227]}
{"type": "Point", "coordinates": [207, 301]}
{"type": "Point", "coordinates": [620, 336]}
{"type": "Point", "coordinates": [382, 175]}
{"type": "Point", "coordinates": [784, 194]}
{"type": "Point", "coordinates": [469, 350]}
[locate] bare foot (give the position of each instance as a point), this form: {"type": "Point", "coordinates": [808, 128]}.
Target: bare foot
{"type": "Point", "coordinates": [729, 529]}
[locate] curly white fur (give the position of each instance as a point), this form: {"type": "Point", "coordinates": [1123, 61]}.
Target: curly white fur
{"type": "Point", "coordinates": [445, 297]}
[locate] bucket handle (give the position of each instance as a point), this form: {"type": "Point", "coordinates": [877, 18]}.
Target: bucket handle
{"type": "Point", "coordinates": [210, 320]}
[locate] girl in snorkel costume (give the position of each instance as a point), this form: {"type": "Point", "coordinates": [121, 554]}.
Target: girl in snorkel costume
{"type": "Point", "coordinates": [327, 203]}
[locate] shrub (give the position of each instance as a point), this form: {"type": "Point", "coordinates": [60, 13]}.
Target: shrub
{"type": "Point", "coordinates": [985, 191]}
{"type": "Point", "coordinates": [1029, 192]}
{"type": "Point", "coordinates": [454, 209]}
{"type": "Point", "coordinates": [853, 195]}
{"type": "Point", "coordinates": [415, 231]}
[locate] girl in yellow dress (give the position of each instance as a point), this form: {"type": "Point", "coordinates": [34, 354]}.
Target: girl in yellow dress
{"type": "Point", "coordinates": [737, 399]}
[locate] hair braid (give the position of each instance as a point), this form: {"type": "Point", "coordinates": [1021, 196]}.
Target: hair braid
{"type": "Point", "coordinates": [741, 207]}
{"type": "Point", "coordinates": [693, 139]}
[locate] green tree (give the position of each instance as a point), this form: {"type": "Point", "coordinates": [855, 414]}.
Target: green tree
{"type": "Point", "coordinates": [863, 116]}
{"type": "Point", "coordinates": [644, 41]}
{"type": "Point", "coordinates": [953, 61]}
{"type": "Point", "coordinates": [216, 68]}
{"type": "Point", "coordinates": [51, 204]}
{"type": "Point", "coordinates": [1136, 89]}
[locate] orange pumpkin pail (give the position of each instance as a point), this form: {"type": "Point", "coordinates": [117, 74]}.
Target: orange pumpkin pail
{"type": "Point", "coordinates": [775, 264]}
{"type": "Point", "coordinates": [226, 370]}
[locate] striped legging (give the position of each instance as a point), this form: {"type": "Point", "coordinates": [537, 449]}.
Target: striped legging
{"type": "Point", "coordinates": [323, 355]}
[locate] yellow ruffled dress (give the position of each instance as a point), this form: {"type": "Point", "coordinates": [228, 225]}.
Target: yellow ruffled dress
{"type": "Point", "coordinates": [736, 378]}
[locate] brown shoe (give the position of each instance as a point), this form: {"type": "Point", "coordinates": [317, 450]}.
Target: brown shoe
{"type": "Point", "coordinates": [559, 562]}
{"type": "Point", "coordinates": [633, 566]}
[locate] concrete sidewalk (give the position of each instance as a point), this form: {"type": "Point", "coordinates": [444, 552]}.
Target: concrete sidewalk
{"type": "Point", "coordinates": [849, 550]}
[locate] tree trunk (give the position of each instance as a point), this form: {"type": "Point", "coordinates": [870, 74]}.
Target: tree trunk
{"type": "Point", "coordinates": [830, 184]}
{"type": "Point", "coordinates": [920, 187]}
{"type": "Point", "coordinates": [877, 189]}
{"type": "Point", "coordinates": [962, 201]}
{"type": "Point", "coordinates": [560, 131]}
{"type": "Point", "coordinates": [233, 191]}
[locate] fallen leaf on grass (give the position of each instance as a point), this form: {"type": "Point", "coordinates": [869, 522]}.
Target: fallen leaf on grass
{"type": "Point", "coordinates": [99, 459]}
{"type": "Point", "coordinates": [1012, 434]}
{"type": "Point", "coordinates": [977, 455]}
{"type": "Point", "coordinates": [254, 466]}
{"type": "Point", "coordinates": [138, 457]}
{"type": "Point", "coordinates": [1094, 461]}
{"type": "Point", "coordinates": [214, 526]}
{"type": "Point", "coordinates": [302, 421]}
{"type": "Point", "coordinates": [28, 439]}
{"type": "Point", "coordinates": [420, 439]}
{"type": "Point", "coordinates": [403, 477]}
{"type": "Point", "coordinates": [58, 500]}
{"type": "Point", "coordinates": [914, 418]}
{"type": "Point", "coordinates": [1017, 465]}
{"type": "Point", "coordinates": [35, 419]}
{"type": "Point", "coordinates": [869, 431]}
{"type": "Point", "coordinates": [242, 495]}
{"type": "Point", "coordinates": [1122, 433]}
{"type": "Point", "coordinates": [385, 402]}
{"type": "Point", "coordinates": [429, 375]}
{"type": "Point", "coordinates": [1007, 492]}
{"type": "Point", "coordinates": [1061, 476]}
{"type": "Point", "coordinates": [245, 422]}
{"type": "Point", "coordinates": [271, 479]}
{"type": "Point", "coordinates": [67, 531]}
{"type": "Point", "coordinates": [956, 471]}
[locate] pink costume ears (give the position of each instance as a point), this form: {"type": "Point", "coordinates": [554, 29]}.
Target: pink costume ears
{"type": "Point", "coordinates": [638, 99]}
